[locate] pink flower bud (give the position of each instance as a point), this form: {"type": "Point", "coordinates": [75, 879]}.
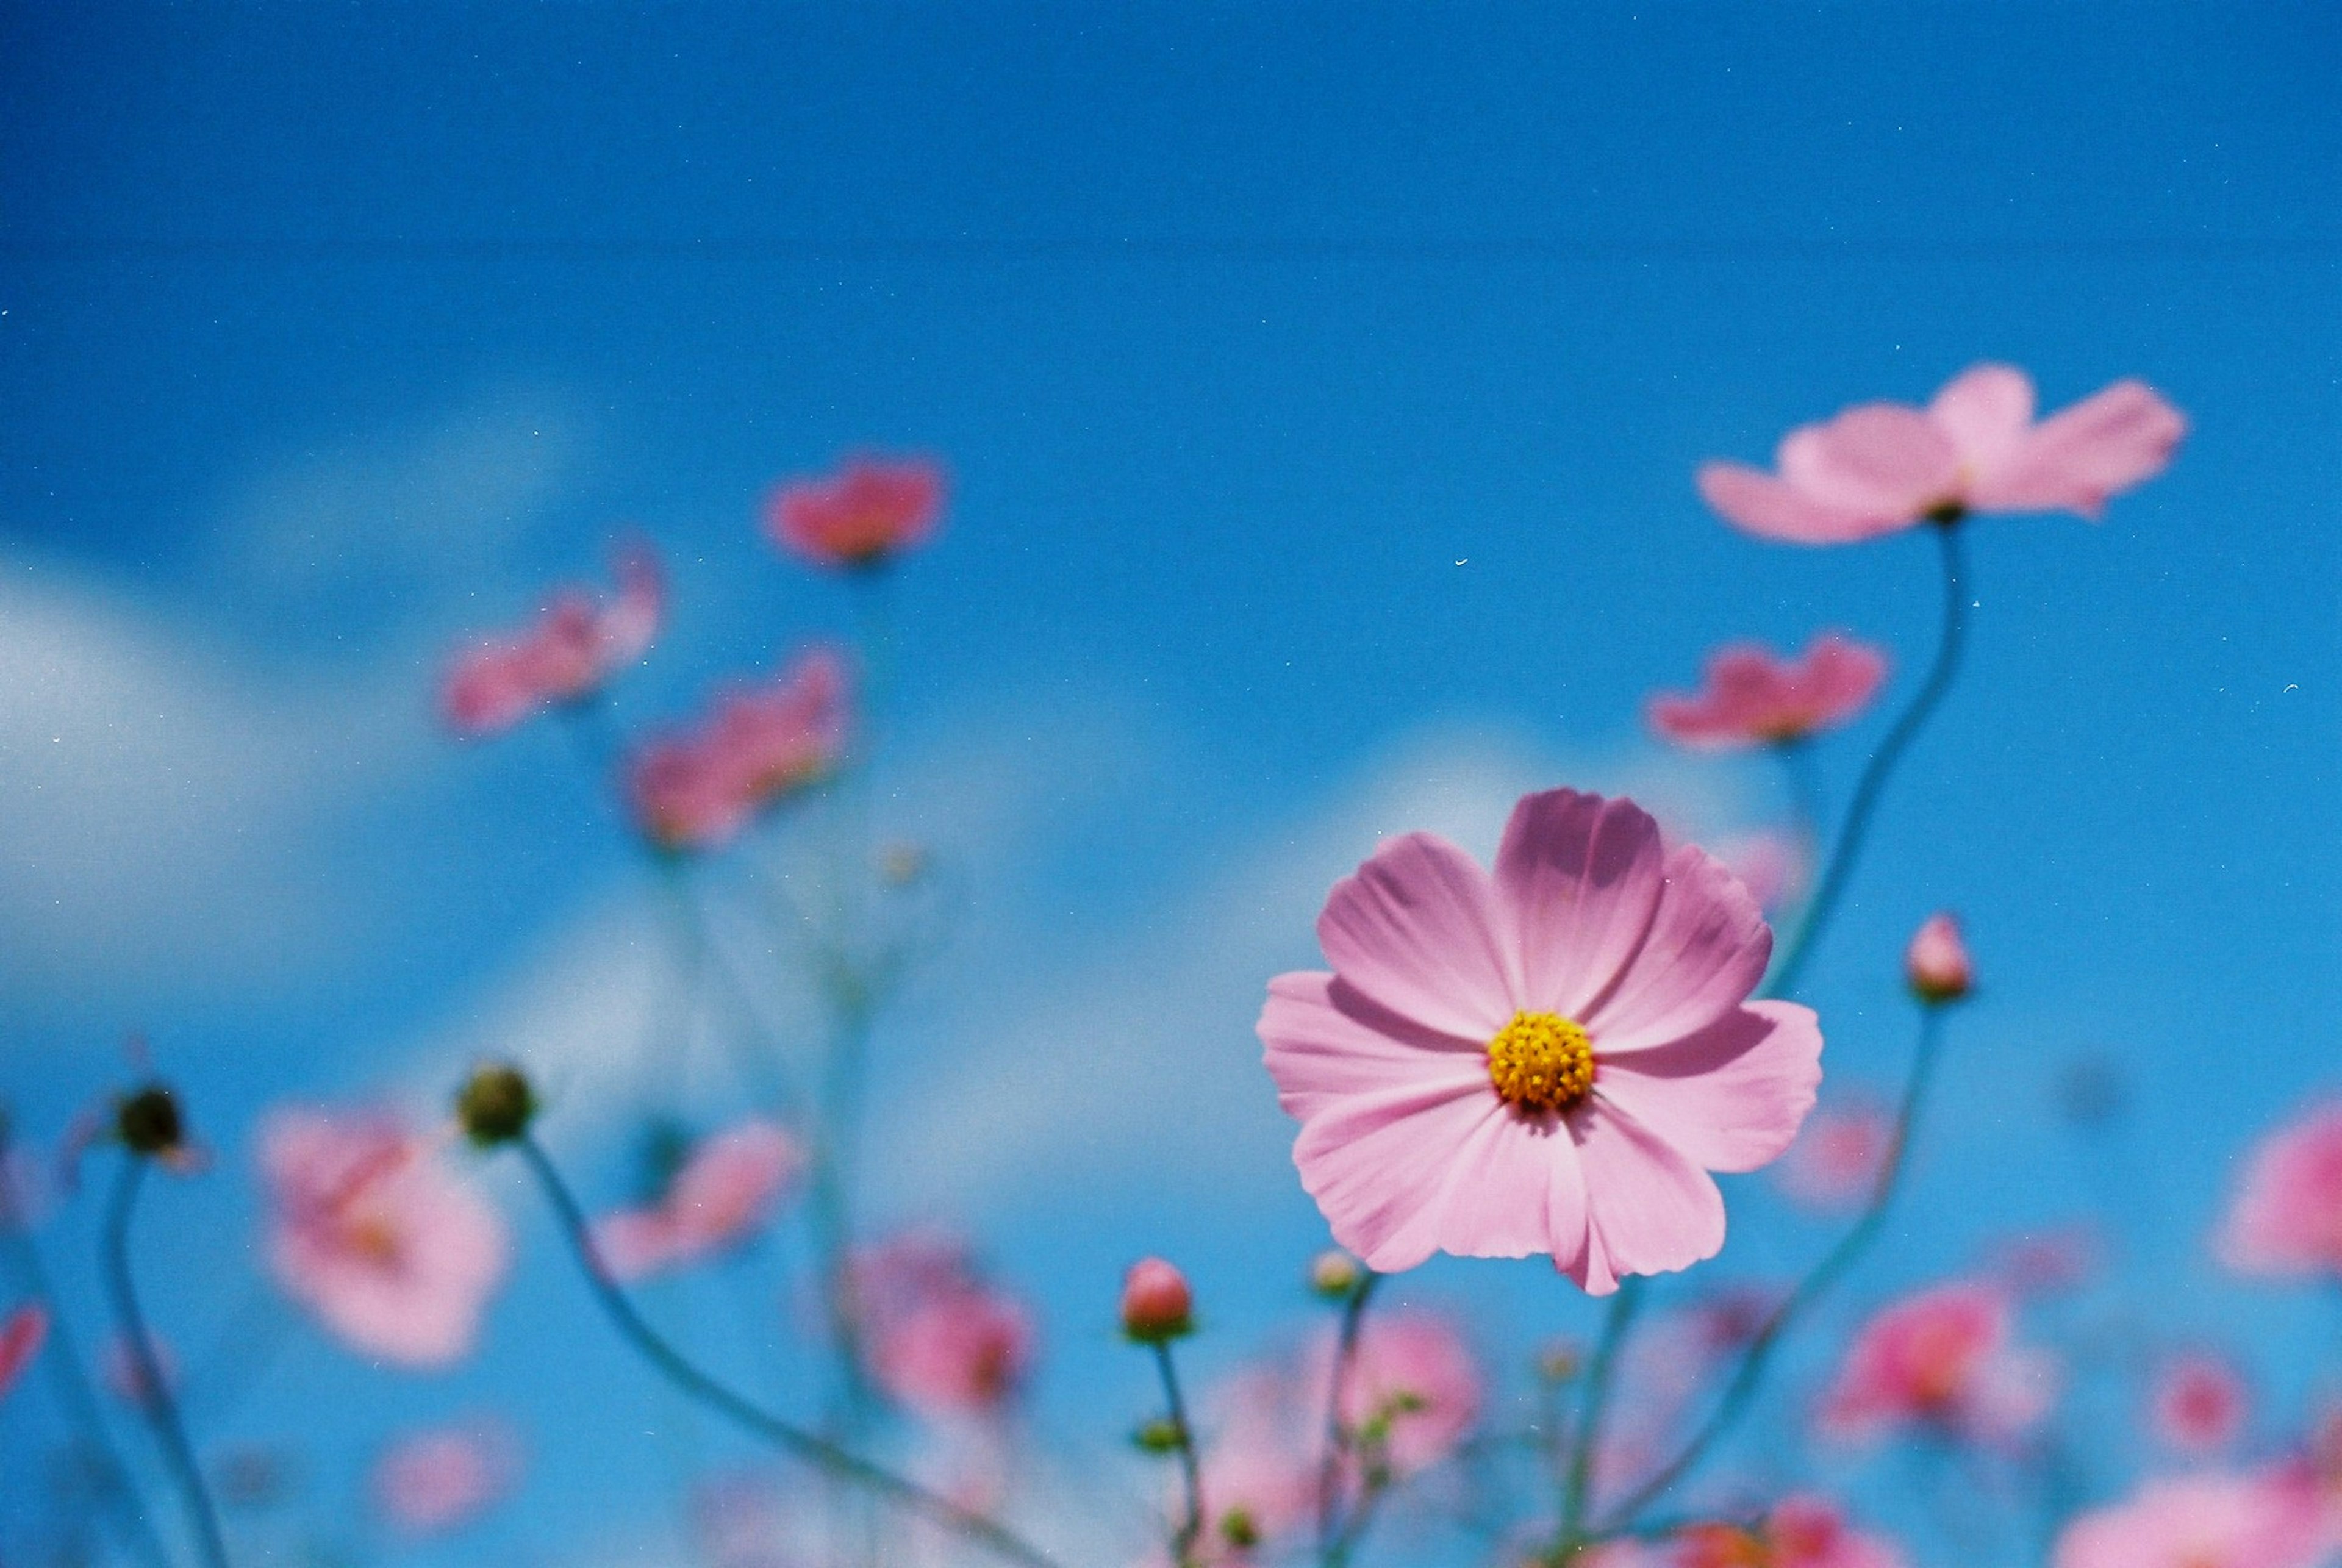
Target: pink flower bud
{"type": "Point", "coordinates": [1155, 1303]}
{"type": "Point", "coordinates": [1937, 963]}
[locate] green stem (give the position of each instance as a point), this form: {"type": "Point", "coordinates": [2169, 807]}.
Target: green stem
{"type": "Point", "coordinates": [1578, 1486]}
{"type": "Point", "coordinates": [1337, 1431]}
{"type": "Point", "coordinates": [790, 1439]}
{"type": "Point", "coordinates": [160, 1406]}
{"type": "Point", "coordinates": [1191, 1527]}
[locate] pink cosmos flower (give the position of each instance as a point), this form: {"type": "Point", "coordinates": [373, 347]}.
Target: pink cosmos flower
{"type": "Point", "coordinates": [936, 1335]}
{"type": "Point", "coordinates": [1941, 1359]}
{"type": "Point", "coordinates": [1413, 1381]}
{"type": "Point", "coordinates": [2201, 1522]}
{"type": "Point", "coordinates": [372, 1232]}
{"type": "Point", "coordinates": [1264, 1436]}
{"type": "Point", "coordinates": [575, 645]}
{"type": "Point", "coordinates": [22, 1333]}
{"type": "Point", "coordinates": [869, 511]}
{"type": "Point", "coordinates": [435, 1482]}
{"type": "Point", "coordinates": [2286, 1220]}
{"type": "Point", "coordinates": [2199, 1403]}
{"type": "Point", "coordinates": [1836, 1163]}
{"type": "Point", "coordinates": [698, 790]}
{"type": "Point", "coordinates": [1885, 467]}
{"type": "Point", "coordinates": [1799, 1533]}
{"type": "Point", "coordinates": [1550, 1059]}
{"type": "Point", "coordinates": [723, 1194]}
{"type": "Point", "coordinates": [1752, 698]}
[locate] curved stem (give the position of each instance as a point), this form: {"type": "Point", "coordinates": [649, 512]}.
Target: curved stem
{"type": "Point", "coordinates": [1191, 1528]}
{"type": "Point", "coordinates": [1579, 1483]}
{"type": "Point", "coordinates": [161, 1408]}
{"type": "Point", "coordinates": [1750, 1372]}
{"type": "Point", "coordinates": [1337, 1431]}
{"type": "Point", "coordinates": [790, 1439]}
{"type": "Point", "coordinates": [1872, 786]}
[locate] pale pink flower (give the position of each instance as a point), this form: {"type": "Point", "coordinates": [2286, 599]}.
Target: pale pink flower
{"type": "Point", "coordinates": [22, 1333]}
{"type": "Point", "coordinates": [2286, 1220]}
{"type": "Point", "coordinates": [725, 1192]}
{"type": "Point", "coordinates": [1837, 1161]}
{"type": "Point", "coordinates": [1263, 1446]}
{"type": "Point", "coordinates": [1885, 467]}
{"type": "Point", "coordinates": [1936, 965]}
{"type": "Point", "coordinates": [371, 1232]}
{"type": "Point", "coordinates": [698, 789]}
{"type": "Point", "coordinates": [937, 1336]}
{"type": "Point", "coordinates": [869, 511]}
{"type": "Point", "coordinates": [437, 1480]}
{"type": "Point", "coordinates": [1753, 698]}
{"type": "Point", "coordinates": [1413, 1382]}
{"type": "Point", "coordinates": [1800, 1532]}
{"type": "Point", "coordinates": [2201, 1522]}
{"type": "Point", "coordinates": [576, 644]}
{"type": "Point", "coordinates": [1772, 866]}
{"type": "Point", "coordinates": [1941, 1359]}
{"type": "Point", "coordinates": [2199, 1403]}
{"type": "Point", "coordinates": [1550, 1059]}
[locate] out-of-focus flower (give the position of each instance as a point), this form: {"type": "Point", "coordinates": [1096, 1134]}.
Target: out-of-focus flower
{"type": "Point", "coordinates": [937, 1336]}
{"type": "Point", "coordinates": [1157, 1304]}
{"type": "Point", "coordinates": [22, 1333]}
{"type": "Point", "coordinates": [1936, 965]}
{"type": "Point", "coordinates": [2199, 1403]}
{"type": "Point", "coordinates": [2286, 1220]}
{"type": "Point", "coordinates": [2202, 1522]}
{"type": "Point", "coordinates": [725, 1192]}
{"type": "Point", "coordinates": [1547, 1059]}
{"type": "Point", "coordinates": [697, 790]}
{"type": "Point", "coordinates": [749, 1521]}
{"type": "Point", "coordinates": [576, 644]}
{"type": "Point", "coordinates": [1836, 1163]}
{"type": "Point", "coordinates": [1753, 698]}
{"type": "Point", "coordinates": [868, 512]}
{"type": "Point", "coordinates": [1772, 866]}
{"type": "Point", "coordinates": [120, 1369]}
{"type": "Point", "coordinates": [1943, 1360]}
{"type": "Point", "coordinates": [371, 1232]}
{"type": "Point", "coordinates": [1260, 1462]}
{"type": "Point", "coordinates": [437, 1480]}
{"type": "Point", "coordinates": [1414, 1391]}
{"type": "Point", "coordinates": [1885, 467]}
{"type": "Point", "coordinates": [1799, 1533]}
{"type": "Point", "coordinates": [2054, 1261]}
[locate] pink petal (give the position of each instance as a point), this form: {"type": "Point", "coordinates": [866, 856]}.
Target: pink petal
{"type": "Point", "coordinates": [1378, 1165]}
{"type": "Point", "coordinates": [1708, 949]}
{"type": "Point", "coordinates": [1882, 460]}
{"type": "Point", "coordinates": [2077, 458]}
{"type": "Point", "coordinates": [1582, 877]}
{"type": "Point", "coordinates": [1418, 929]}
{"type": "Point", "coordinates": [1756, 502]}
{"type": "Point", "coordinates": [20, 1340]}
{"type": "Point", "coordinates": [1650, 1209]}
{"type": "Point", "coordinates": [1732, 1097]}
{"type": "Point", "coordinates": [1325, 1040]}
{"type": "Point", "coordinates": [1987, 411]}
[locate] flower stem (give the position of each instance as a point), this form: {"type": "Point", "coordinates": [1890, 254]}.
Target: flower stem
{"type": "Point", "coordinates": [1750, 1372]}
{"type": "Point", "coordinates": [790, 1439]}
{"type": "Point", "coordinates": [1337, 1431]}
{"type": "Point", "coordinates": [1872, 786]}
{"type": "Point", "coordinates": [1191, 1526]}
{"type": "Point", "coordinates": [161, 1407]}
{"type": "Point", "coordinates": [1594, 1406]}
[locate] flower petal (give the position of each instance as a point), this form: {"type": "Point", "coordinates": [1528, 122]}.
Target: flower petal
{"type": "Point", "coordinates": [1987, 411]}
{"type": "Point", "coordinates": [1650, 1209]}
{"type": "Point", "coordinates": [2077, 457]}
{"type": "Point", "coordinates": [1883, 460]}
{"type": "Point", "coordinates": [1324, 1040]}
{"type": "Point", "coordinates": [1418, 929]}
{"type": "Point", "coordinates": [1757, 503]}
{"type": "Point", "coordinates": [1378, 1165]}
{"type": "Point", "coordinates": [1708, 949]}
{"type": "Point", "coordinates": [1732, 1097]}
{"type": "Point", "coordinates": [1582, 878]}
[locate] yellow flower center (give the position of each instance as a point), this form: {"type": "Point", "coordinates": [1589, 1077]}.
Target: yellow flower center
{"type": "Point", "coordinates": [1541, 1062]}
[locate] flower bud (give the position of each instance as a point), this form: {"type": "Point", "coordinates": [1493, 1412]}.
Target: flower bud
{"type": "Point", "coordinates": [1559, 1361]}
{"type": "Point", "coordinates": [148, 1122]}
{"type": "Point", "coordinates": [1161, 1435]}
{"type": "Point", "coordinates": [1155, 1303]}
{"type": "Point", "coordinates": [497, 1105]}
{"type": "Point", "coordinates": [1936, 961]}
{"type": "Point", "coordinates": [1333, 1274]}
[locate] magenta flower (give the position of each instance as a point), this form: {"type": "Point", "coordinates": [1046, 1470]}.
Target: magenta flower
{"type": "Point", "coordinates": [698, 790]}
{"type": "Point", "coordinates": [2199, 1403]}
{"type": "Point", "coordinates": [1752, 698]}
{"type": "Point", "coordinates": [1941, 1360]}
{"type": "Point", "coordinates": [871, 510]}
{"type": "Point", "coordinates": [371, 1232]}
{"type": "Point", "coordinates": [1548, 1060]}
{"type": "Point", "coordinates": [1836, 1163]}
{"type": "Point", "coordinates": [725, 1192]}
{"type": "Point", "coordinates": [2286, 1220]}
{"type": "Point", "coordinates": [435, 1482]}
{"type": "Point", "coordinates": [2202, 1522]}
{"type": "Point", "coordinates": [937, 1336]}
{"type": "Point", "coordinates": [1885, 467]}
{"type": "Point", "coordinates": [1800, 1532]}
{"type": "Point", "coordinates": [22, 1334]}
{"type": "Point", "coordinates": [575, 645]}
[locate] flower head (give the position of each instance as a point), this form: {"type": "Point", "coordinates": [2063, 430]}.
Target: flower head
{"type": "Point", "coordinates": [1837, 1160]}
{"type": "Point", "coordinates": [22, 1334]}
{"type": "Point", "coordinates": [2202, 1522]}
{"type": "Point", "coordinates": [1937, 964]}
{"type": "Point", "coordinates": [370, 1231]}
{"type": "Point", "coordinates": [1550, 1059]}
{"type": "Point", "coordinates": [935, 1334]}
{"type": "Point", "coordinates": [1414, 1391]}
{"type": "Point", "coordinates": [871, 510]}
{"type": "Point", "coordinates": [2199, 1403]}
{"type": "Point", "coordinates": [1753, 698]}
{"type": "Point", "coordinates": [1799, 1533]}
{"type": "Point", "coordinates": [1885, 467]}
{"type": "Point", "coordinates": [436, 1481]}
{"type": "Point", "coordinates": [1942, 1360]}
{"type": "Point", "coordinates": [725, 1191]}
{"type": "Point", "coordinates": [2286, 1219]}
{"type": "Point", "coordinates": [575, 644]}
{"type": "Point", "coordinates": [699, 789]}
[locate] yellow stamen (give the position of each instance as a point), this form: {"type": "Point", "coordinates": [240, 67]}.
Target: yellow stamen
{"type": "Point", "coordinates": [1541, 1062]}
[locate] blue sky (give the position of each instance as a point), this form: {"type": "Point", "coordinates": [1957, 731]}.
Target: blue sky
{"type": "Point", "coordinates": [1321, 386]}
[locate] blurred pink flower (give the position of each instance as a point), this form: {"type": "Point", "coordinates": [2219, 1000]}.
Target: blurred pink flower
{"type": "Point", "coordinates": [1800, 1532]}
{"type": "Point", "coordinates": [1547, 1059]}
{"type": "Point", "coordinates": [1836, 1163]}
{"type": "Point", "coordinates": [2054, 1261]}
{"type": "Point", "coordinates": [1885, 467]}
{"type": "Point", "coordinates": [1772, 866]}
{"type": "Point", "coordinates": [697, 790]}
{"type": "Point", "coordinates": [1413, 1378]}
{"type": "Point", "coordinates": [1941, 1359]}
{"type": "Point", "coordinates": [869, 511]}
{"type": "Point", "coordinates": [936, 1335]}
{"type": "Point", "coordinates": [2199, 1403]}
{"type": "Point", "coordinates": [1753, 698]}
{"type": "Point", "coordinates": [725, 1192]}
{"type": "Point", "coordinates": [574, 646]}
{"type": "Point", "coordinates": [2202, 1522]}
{"type": "Point", "coordinates": [369, 1230]}
{"type": "Point", "coordinates": [437, 1480]}
{"type": "Point", "coordinates": [2286, 1220]}
{"type": "Point", "coordinates": [1936, 965]}
{"type": "Point", "coordinates": [22, 1333]}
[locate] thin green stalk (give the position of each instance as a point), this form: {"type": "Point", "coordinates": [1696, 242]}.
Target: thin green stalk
{"type": "Point", "coordinates": [1592, 1408]}
{"type": "Point", "coordinates": [1191, 1526]}
{"type": "Point", "coordinates": [1854, 830]}
{"type": "Point", "coordinates": [1337, 1431]}
{"type": "Point", "coordinates": [160, 1406]}
{"type": "Point", "coordinates": [744, 1413]}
